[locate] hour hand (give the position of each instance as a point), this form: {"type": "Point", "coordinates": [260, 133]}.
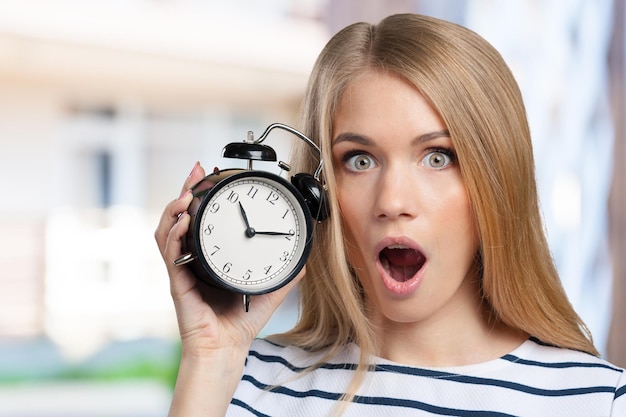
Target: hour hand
{"type": "Point", "coordinates": [249, 230]}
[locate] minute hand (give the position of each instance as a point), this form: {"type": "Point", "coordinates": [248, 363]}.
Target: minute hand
{"type": "Point", "coordinates": [275, 233]}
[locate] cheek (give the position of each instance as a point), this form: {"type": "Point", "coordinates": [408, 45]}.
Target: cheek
{"type": "Point", "coordinates": [459, 221]}
{"type": "Point", "coordinates": [353, 206]}
{"type": "Point", "coordinates": [345, 194]}
{"type": "Point", "coordinates": [466, 216]}
{"type": "Point", "coordinates": [451, 202]}
{"type": "Point", "coordinates": [448, 211]}
{"type": "Point", "coordinates": [348, 210]}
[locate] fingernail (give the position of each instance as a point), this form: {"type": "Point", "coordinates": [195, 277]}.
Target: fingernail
{"type": "Point", "coordinates": [193, 169]}
{"type": "Point", "coordinates": [184, 194]}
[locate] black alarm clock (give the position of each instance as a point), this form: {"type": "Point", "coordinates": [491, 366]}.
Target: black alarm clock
{"type": "Point", "coordinates": [251, 231]}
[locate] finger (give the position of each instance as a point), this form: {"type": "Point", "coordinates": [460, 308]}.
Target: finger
{"type": "Point", "coordinates": [272, 300]}
{"type": "Point", "coordinates": [169, 218]}
{"type": "Point", "coordinates": [183, 285]}
{"type": "Point", "coordinates": [196, 174]}
{"type": "Point", "coordinates": [172, 210]}
{"type": "Point", "coordinates": [173, 243]}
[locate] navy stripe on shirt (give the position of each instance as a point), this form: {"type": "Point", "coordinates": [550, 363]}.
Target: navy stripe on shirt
{"type": "Point", "coordinates": [381, 401]}
{"type": "Point", "coordinates": [559, 365]}
{"type": "Point", "coordinates": [445, 375]}
{"type": "Point", "coordinates": [247, 407]}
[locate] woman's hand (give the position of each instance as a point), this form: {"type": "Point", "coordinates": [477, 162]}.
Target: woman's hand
{"type": "Point", "coordinates": [208, 318]}
{"type": "Point", "coordinates": [215, 330]}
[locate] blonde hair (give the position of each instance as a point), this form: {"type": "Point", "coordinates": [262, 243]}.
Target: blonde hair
{"type": "Point", "coordinates": [466, 80]}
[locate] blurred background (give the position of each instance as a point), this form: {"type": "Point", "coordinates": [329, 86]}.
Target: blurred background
{"type": "Point", "coordinates": [106, 105]}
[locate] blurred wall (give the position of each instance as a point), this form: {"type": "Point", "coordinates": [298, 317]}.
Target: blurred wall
{"type": "Point", "coordinates": [105, 107]}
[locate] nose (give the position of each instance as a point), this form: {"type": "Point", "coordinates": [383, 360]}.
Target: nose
{"type": "Point", "coordinates": [397, 196]}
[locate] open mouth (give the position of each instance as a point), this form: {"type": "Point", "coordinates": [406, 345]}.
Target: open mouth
{"type": "Point", "coordinates": [401, 262]}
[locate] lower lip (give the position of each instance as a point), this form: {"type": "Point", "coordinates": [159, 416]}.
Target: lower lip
{"type": "Point", "coordinates": [397, 288]}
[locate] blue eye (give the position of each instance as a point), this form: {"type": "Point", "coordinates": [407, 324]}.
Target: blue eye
{"type": "Point", "coordinates": [438, 159]}
{"type": "Point", "coordinates": [359, 162]}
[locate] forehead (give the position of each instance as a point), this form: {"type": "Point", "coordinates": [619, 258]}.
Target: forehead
{"type": "Point", "coordinates": [381, 103]}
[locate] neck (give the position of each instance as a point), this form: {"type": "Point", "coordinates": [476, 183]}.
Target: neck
{"type": "Point", "coordinates": [474, 339]}
{"type": "Point", "coordinates": [416, 345]}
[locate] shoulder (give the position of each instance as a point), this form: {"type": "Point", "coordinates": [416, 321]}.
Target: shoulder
{"type": "Point", "coordinates": [269, 349]}
{"type": "Point", "coordinates": [285, 380]}
{"type": "Point", "coordinates": [534, 353]}
{"type": "Point", "coordinates": [578, 370]}
{"type": "Point", "coordinates": [588, 374]}
{"type": "Point", "coordinates": [271, 358]}
{"type": "Point", "coordinates": [295, 359]}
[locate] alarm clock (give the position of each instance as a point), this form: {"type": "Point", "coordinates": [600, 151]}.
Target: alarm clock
{"type": "Point", "coordinates": [251, 231]}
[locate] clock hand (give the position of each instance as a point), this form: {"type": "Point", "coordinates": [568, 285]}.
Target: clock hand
{"type": "Point", "coordinates": [275, 233]}
{"type": "Point", "coordinates": [243, 214]}
{"type": "Point", "coordinates": [250, 232]}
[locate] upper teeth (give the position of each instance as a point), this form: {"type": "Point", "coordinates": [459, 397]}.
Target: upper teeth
{"type": "Point", "coordinates": [397, 247]}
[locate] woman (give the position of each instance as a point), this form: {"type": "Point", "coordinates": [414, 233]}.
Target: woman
{"type": "Point", "coordinates": [431, 288]}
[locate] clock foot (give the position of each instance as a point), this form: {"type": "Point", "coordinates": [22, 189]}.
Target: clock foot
{"type": "Point", "coordinates": [246, 302]}
{"type": "Point", "coordinates": [184, 259]}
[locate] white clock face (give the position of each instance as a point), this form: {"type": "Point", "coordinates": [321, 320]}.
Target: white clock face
{"type": "Point", "coordinates": [253, 233]}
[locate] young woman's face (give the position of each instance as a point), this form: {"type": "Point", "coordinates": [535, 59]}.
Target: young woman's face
{"type": "Point", "coordinates": [406, 214]}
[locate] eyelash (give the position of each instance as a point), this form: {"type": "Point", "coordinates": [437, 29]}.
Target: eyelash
{"type": "Point", "coordinates": [346, 157]}
{"type": "Point", "coordinates": [447, 152]}
{"type": "Point", "coordinates": [444, 151]}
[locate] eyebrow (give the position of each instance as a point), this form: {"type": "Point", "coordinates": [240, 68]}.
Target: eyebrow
{"type": "Point", "coordinates": [366, 141]}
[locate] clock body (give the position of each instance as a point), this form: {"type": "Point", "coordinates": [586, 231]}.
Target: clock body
{"type": "Point", "coordinates": [251, 231]}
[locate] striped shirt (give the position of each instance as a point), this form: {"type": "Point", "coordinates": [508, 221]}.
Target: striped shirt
{"type": "Point", "coordinates": [533, 380]}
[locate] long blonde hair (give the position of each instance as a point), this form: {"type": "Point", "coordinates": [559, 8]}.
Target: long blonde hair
{"type": "Point", "coordinates": [466, 80]}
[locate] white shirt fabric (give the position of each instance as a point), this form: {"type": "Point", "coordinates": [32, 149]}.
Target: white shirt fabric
{"type": "Point", "coordinates": [533, 380]}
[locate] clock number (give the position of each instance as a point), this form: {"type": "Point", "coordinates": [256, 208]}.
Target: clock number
{"type": "Point", "coordinates": [217, 249]}
{"type": "Point", "coordinates": [233, 197]}
{"type": "Point", "coordinates": [291, 234]}
{"type": "Point", "coordinates": [247, 275]}
{"type": "Point", "coordinates": [252, 192]}
{"type": "Point", "coordinates": [284, 257]}
{"type": "Point", "coordinates": [285, 215]}
{"type": "Point", "coordinates": [227, 267]}
{"type": "Point", "coordinates": [209, 229]}
{"type": "Point", "coordinates": [272, 198]}
{"type": "Point", "coordinates": [267, 269]}
{"type": "Point", "coordinates": [214, 208]}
